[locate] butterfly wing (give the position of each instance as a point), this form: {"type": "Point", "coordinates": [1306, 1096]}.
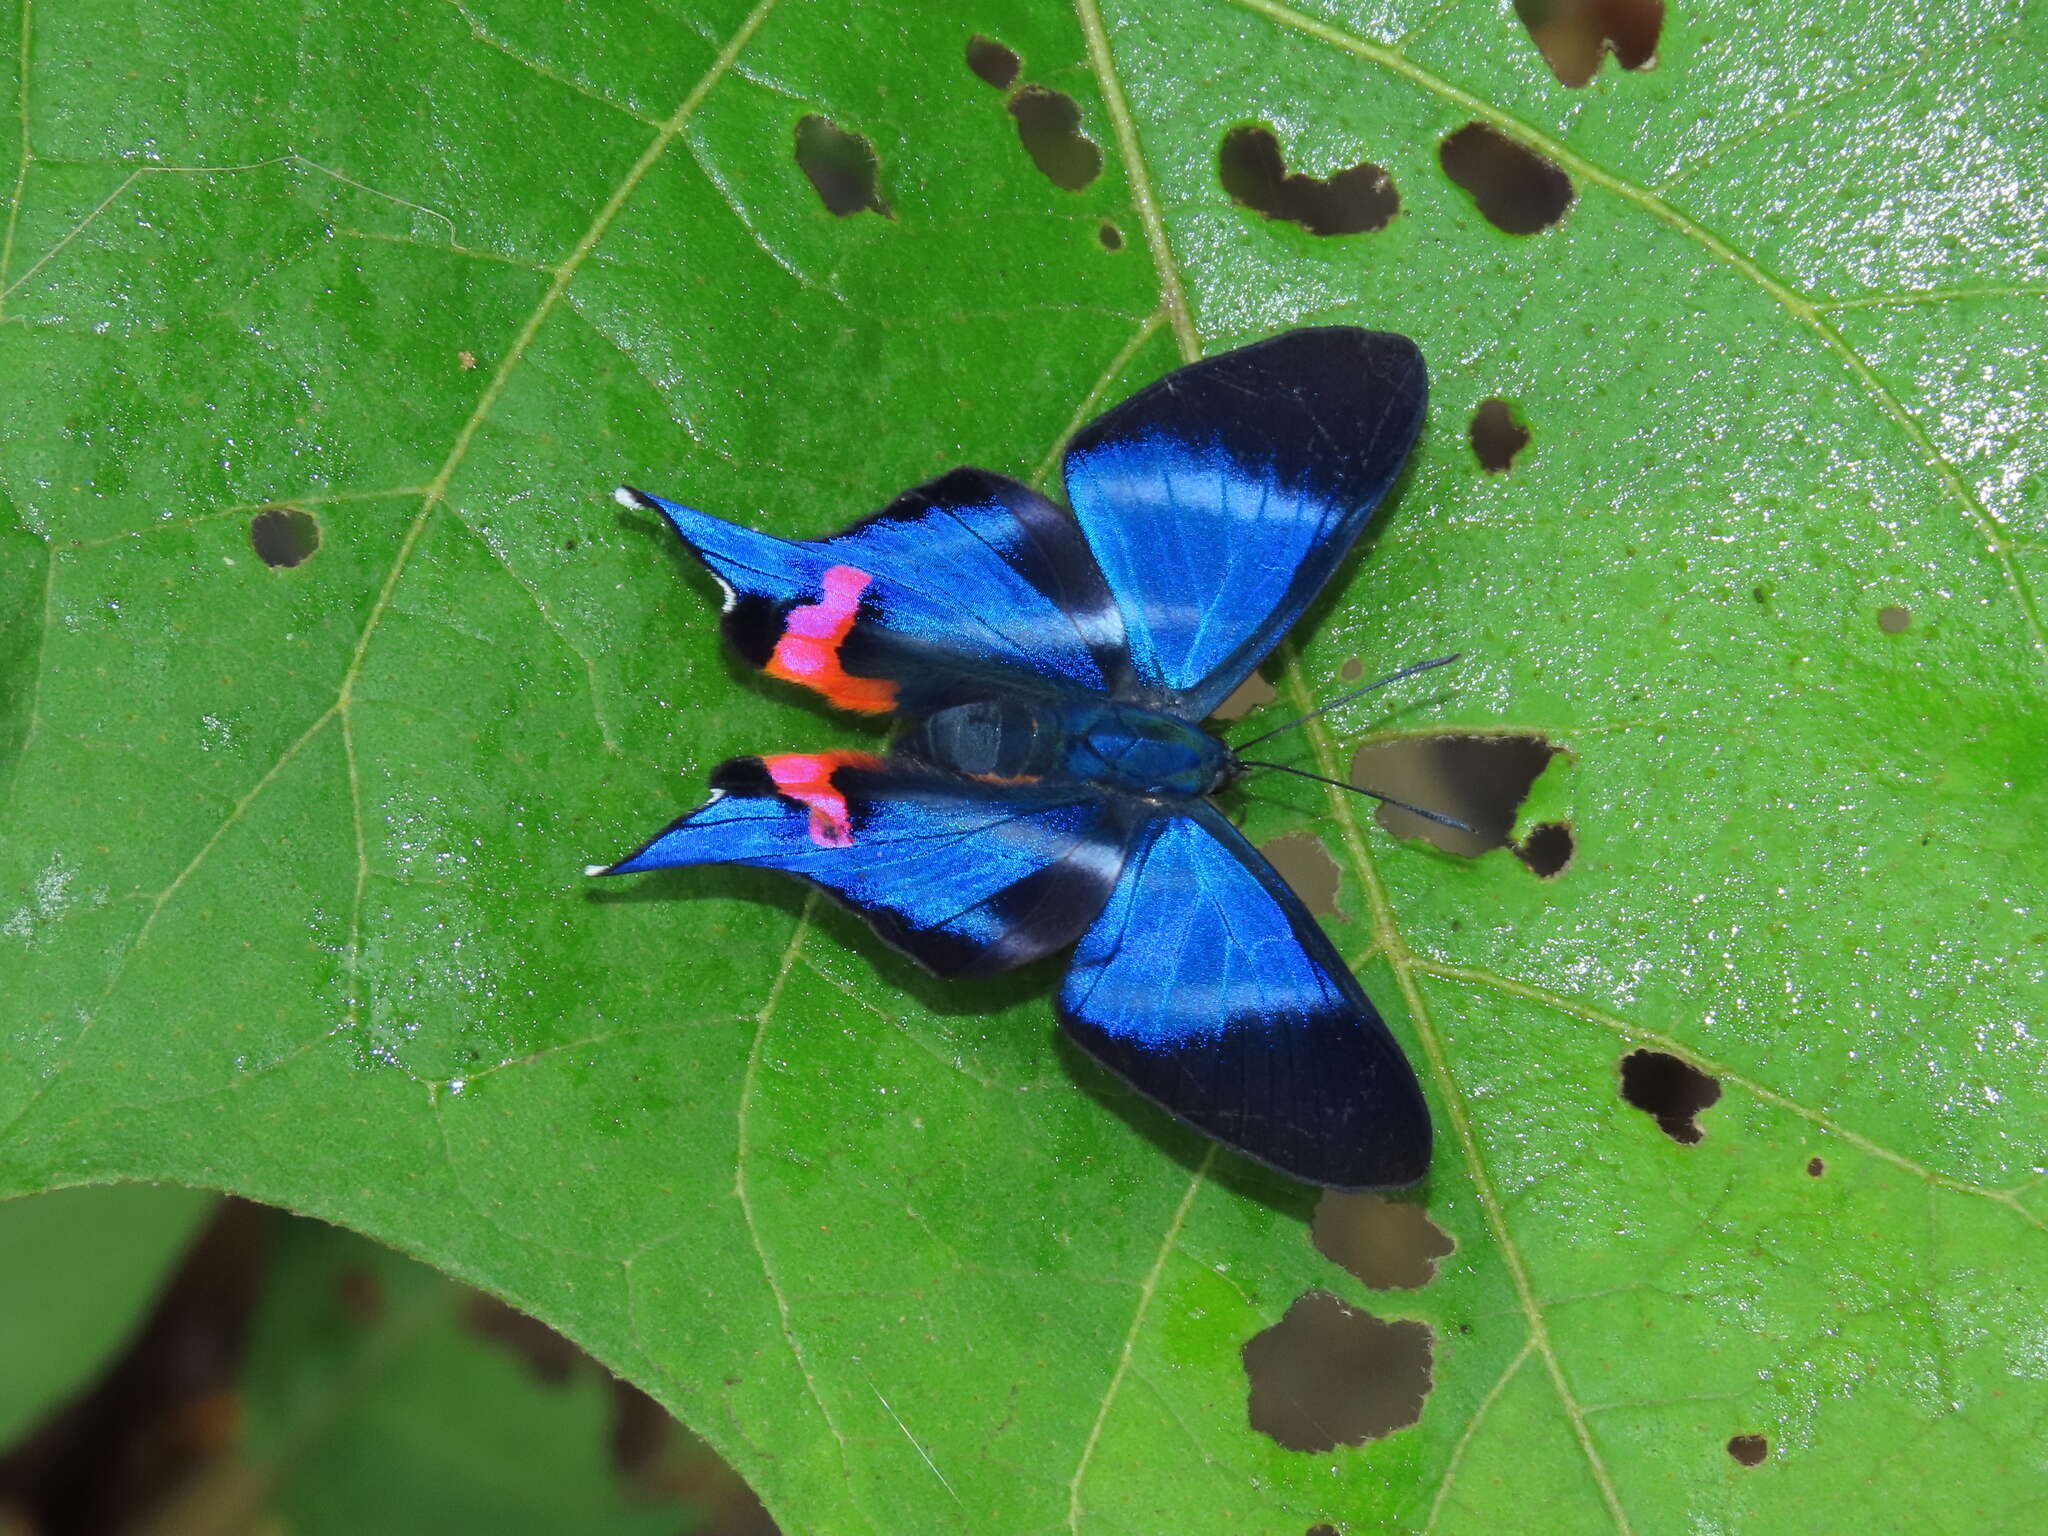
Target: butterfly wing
{"type": "Point", "coordinates": [1218, 501]}
{"type": "Point", "coordinates": [1208, 987]}
{"type": "Point", "coordinates": [969, 584]}
{"type": "Point", "coordinates": [966, 878]}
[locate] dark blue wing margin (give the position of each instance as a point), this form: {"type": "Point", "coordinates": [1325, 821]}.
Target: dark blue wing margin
{"type": "Point", "coordinates": [1219, 500]}
{"type": "Point", "coordinates": [1208, 987]}
{"type": "Point", "coordinates": [967, 879]}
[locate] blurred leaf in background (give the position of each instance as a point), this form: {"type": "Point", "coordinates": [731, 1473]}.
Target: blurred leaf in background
{"type": "Point", "coordinates": [283, 1375]}
{"type": "Point", "coordinates": [81, 1268]}
{"type": "Point", "coordinates": [324, 334]}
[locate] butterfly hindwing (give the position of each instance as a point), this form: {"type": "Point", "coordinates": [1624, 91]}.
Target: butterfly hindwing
{"type": "Point", "coordinates": [966, 878]}
{"type": "Point", "coordinates": [969, 583]}
{"type": "Point", "coordinates": [1218, 501]}
{"type": "Point", "coordinates": [1209, 988]}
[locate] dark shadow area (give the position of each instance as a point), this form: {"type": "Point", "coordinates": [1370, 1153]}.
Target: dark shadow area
{"type": "Point", "coordinates": [1480, 780]}
{"type": "Point", "coordinates": [284, 536]}
{"type": "Point", "coordinates": [1575, 35]}
{"type": "Point", "coordinates": [1388, 1244]}
{"type": "Point", "coordinates": [1049, 126]}
{"type": "Point", "coordinates": [1327, 1375]}
{"type": "Point", "coordinates": [995, 64]}
{"type": "Point", "coordinates": [1351, 202]}
{"type": "Point", "coordinates": [1497, 436]}
{"type": "Point", "coordinates": [1516, 189]}
{"type": "Point", "coordinates": [842, 166]}
{"type": "Point", "coordinates": [1669, 1091]}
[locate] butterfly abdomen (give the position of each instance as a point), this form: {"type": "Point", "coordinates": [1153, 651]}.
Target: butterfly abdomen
{"type": "Point", "coordinates": [1113, 746]}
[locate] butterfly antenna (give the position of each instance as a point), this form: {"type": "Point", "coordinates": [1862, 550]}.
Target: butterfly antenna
{"type": "Point", "coordinates": [1356, 693]}
{"type": "Point", "coordinates": [1302, 773]}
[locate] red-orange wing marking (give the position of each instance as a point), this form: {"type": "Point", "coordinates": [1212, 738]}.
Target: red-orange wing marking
{"type": "Point", "coordinates": [808, 652]}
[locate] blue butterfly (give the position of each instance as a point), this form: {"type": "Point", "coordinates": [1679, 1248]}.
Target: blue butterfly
{"type": "Point", "coordinates": [1051, 787]}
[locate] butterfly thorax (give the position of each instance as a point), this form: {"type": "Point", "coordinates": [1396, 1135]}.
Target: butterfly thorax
{"type": "Point", "coordinates": [1116, 746]}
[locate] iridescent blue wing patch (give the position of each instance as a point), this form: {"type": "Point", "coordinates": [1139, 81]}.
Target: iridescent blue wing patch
{"type": "Point", "coordinates": [1219, 500]}
{"type": "Point", "coordinates": [965, 585]}
{"type": "Point", "coordinates": [965, 877]}
{"type": "Point", "coordinates": [1208, 987]}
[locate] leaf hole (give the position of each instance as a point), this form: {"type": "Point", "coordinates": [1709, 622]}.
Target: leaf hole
{"type": "Point", "coordinates": [1894, 620]}
{"type": "Point", "coordinates": [1575, 35]}
{"type": "Point", "coordinates": [842, 166]}
{"type": "Point", "coordinates": [1497, 436]}
{"type": "Point", "coordinates": [1350, 202]}
{"type": "Point", "coordinates": [1669, 1091]}
{"type": "Point", "coordinates": [994, 63]}
{"type": "Point", "coordinates": [284, 536]}
{"type": "Point", "coordinates": [1750, 1450]}
{"type": "Point", "coordinates": [1517, 190]}
{"type": "Point", "coordinates": [1390, 1245]}
{"type": "Point", "coordinates": [1547, 849]}
{"type": "Point", "coordinates": [1111, 237]}
{"type": "Point", "coordinates": [1305, 864]}
{"type": "Point", "coordinates": [1253, 693]}
{"type": "Point", "coordinates": [1480, 780]}
{"type": "Point", "coordinates": [1049, 125]}
{"type": "Point", "coordinates": [1327, 1375]}
{"type": "Point", "coordinates": [1815, 1168]}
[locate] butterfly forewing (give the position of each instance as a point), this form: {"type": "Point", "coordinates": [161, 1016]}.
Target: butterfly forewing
{"type": "Point", "coordinates": [1219, 500]}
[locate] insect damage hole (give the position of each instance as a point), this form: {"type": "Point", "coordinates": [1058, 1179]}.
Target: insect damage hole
{"type": "Point", "coordinates": [995, 64]}
{"type": "Point", "coordinates": [1669, 1091]}
{"type": "Point", "coordinates": [1815, 1168]}
{"type": "Point", "coordinates": [1894, 620]}
{"type": "Point", "coordinates": [1480, 780]}
{"type": "Point", "coordinates": [1547, 849]}
{"type": "Point", "coordinates": [284, 536]}
{"type": "Point", "coordinates": [1049, 126]}
{"type": "Point", "coordinates": [1750, 1450]}
{"type": "Point", "coordinates": [1575, 35]}
{"type": "Point", "coordinates": [1327, 1375]}
{"type": "Point", "coordinates": [1305, 864]}
{"type": "Point", "coordinates": [1387, 1244]}
{"type": "Point", "coordinates": [1497, 436]}
{"type": "Point", "coordinates": [1517, 190]}
{"type": "Point", "coordinates": [1351, 202]}
{"type": "Point", "coordinates": [842, 166]}
{"type": "Point", "coordinates": [1111, 237]}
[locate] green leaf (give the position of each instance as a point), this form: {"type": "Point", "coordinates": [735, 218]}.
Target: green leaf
{"type": "Point", "coordinates": [82, 1268]}
{"type": "Point", "coordinates": [291, 893]}
{"type": "Point", "coordinates": [375, 1402]}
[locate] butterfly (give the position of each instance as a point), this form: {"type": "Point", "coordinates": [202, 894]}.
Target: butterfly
{"type": "Point", "coordinates": [1051, 785]}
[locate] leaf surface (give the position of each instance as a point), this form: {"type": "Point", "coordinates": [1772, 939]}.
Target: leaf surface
{"type": "Point", "coordinates": [290, 901]}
